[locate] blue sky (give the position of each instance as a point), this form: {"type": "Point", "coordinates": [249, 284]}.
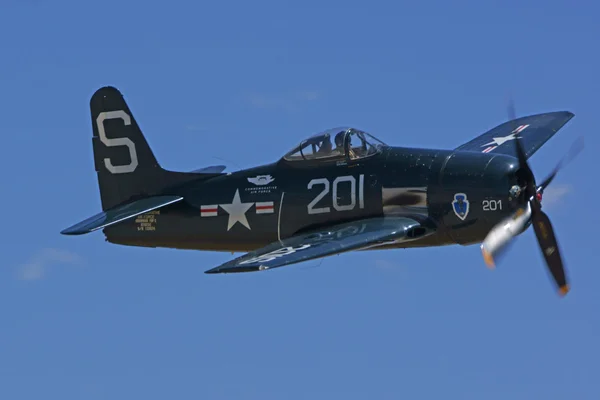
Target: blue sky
{"type": "Point", "coordinates": [83, 319]}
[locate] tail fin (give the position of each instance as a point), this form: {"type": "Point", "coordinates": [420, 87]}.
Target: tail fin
{"type": "Point", "coordinates": [126, 166]}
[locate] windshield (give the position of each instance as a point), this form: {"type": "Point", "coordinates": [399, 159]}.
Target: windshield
{"type": "Point", "coordinates": [322, 145]}
{"type": "Point", "coordinates": [361, 144]}
{"type": "Point", "coordinates": [334, 144]}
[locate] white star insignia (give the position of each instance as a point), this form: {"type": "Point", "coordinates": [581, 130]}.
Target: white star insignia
{"type": "Point", "coordinates": [501, 140]}
{"type": "Point", "coordinates": [237, 211]}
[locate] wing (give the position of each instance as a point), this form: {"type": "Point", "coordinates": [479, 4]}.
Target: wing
{"type": "Point", "coordinates": [120, 213]}
{"type": "Point", "coordinates": [327, 241]}
{"type": "Point", "coordinates": [533, 131]}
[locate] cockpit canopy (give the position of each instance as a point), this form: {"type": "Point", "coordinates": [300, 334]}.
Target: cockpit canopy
{"type": "Point", "coordinates": [336, 144]}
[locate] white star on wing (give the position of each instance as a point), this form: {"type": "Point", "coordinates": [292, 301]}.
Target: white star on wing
{"type": "Point", "coordinates": [501, 140]}
{"type": "Point", "coordinates": [513, 135]}
{"type": "Point", "coordinates": [237, 211]}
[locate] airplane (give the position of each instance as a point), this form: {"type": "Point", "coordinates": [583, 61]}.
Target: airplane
{"type": "Point", "coordinates": [336, 191]}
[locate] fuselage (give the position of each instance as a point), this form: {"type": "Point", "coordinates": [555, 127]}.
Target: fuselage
{"type": "Point", "coordinates": [338, 190]}
{"type": "Point", "coordinates": [460, 194]}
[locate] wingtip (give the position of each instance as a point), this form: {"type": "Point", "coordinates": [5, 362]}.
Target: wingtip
{"type": "Point", "coordinates": [564, 113]}
{"type": "Point", "coordinates": [235, 269]}
{"type": "Point", "coordinates": [72, 231]}
{"type": "Point", "coordinates": [212, 271]}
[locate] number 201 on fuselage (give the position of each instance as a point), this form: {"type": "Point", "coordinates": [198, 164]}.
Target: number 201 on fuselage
{"type": "Point", "coordinates": [334, 189]}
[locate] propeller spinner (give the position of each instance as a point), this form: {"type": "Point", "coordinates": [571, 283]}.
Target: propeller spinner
{"type": "Point", "coordinates": [503, 233]}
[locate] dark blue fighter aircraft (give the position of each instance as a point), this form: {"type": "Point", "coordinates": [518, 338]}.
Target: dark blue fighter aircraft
{"type": "Point", "coordinates": [336, 191]}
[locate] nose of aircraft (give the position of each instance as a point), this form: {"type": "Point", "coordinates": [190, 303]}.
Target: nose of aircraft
{"type": "Point", "coordinates": [502, 173]}
{"type": "Point", "coordinates": [505, 231]}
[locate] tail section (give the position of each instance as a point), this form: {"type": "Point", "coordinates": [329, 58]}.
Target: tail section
{"type": "Point", "coordinates": [123, 159]}
{"type": "Point", "coordinates": [131, 180]}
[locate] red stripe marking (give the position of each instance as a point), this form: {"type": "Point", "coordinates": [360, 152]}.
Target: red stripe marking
{"type": "Point", "coordinates": [263, 207]}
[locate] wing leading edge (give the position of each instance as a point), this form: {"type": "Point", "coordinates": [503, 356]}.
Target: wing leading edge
{"type": "Point", "coordinates": [357, 235]}
{"type": "Point", "coordinates": [533, 131]}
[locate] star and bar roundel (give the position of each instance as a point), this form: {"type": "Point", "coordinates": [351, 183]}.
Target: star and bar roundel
{"type": "Point", "coordinates": [498, 141]}
{"type": "Point", "coordinates": [237, 210]}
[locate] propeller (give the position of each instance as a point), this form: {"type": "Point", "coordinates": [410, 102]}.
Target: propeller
{"type": "Point", "coordinates": [531, 212]}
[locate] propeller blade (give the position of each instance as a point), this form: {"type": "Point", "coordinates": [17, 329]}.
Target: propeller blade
{"type": "Point", "coordinates": [574, 151]}
{"type": "Point", "coordinates": [549, 246]}
{"type": "Point", "coordinates": [502, 234]}
{"type": "Point", "coordinates": [523, 165]}
{"type": "Point", "coordinates": [512, 114]}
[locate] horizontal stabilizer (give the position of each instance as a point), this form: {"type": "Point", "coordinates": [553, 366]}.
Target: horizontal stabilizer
{"type": "Point", "coordinates": [120, 213]}
{"type": "Point", "coordinates": [213, 169]}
